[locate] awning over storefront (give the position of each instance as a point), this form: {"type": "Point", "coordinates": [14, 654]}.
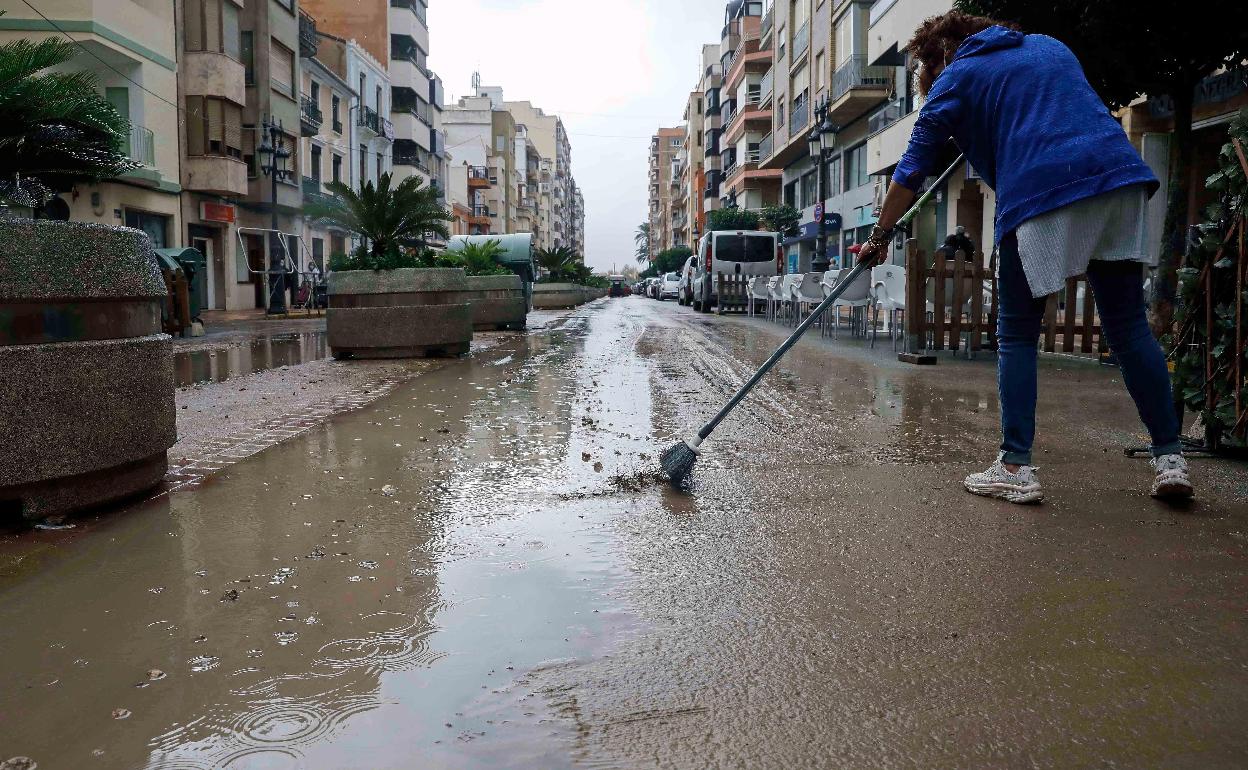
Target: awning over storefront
{"type": "Point", "coordinates": [810, 230]}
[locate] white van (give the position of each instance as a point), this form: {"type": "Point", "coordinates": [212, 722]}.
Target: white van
{"type": "Point", "coordinates": [686, 280]}
{"type": "Point", "coordinates": [741, 252]}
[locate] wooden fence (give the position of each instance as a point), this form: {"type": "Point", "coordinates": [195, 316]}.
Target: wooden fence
{"type": "Point", "coordinates": [733, 293]}
{"type": "Point", "coordinates": [948, 298]}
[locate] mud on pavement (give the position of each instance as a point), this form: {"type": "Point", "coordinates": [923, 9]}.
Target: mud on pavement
{"type": "Point", "coordinates": [450, 577]}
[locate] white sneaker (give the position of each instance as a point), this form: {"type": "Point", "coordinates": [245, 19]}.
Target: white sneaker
{"type": "Point", "coordinates": [1022, 487]}
{"type": "Point", "coordinates": [1172, 482]}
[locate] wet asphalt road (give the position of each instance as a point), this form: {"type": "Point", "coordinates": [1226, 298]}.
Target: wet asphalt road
{"type": "Point", "coordinates": [478, 571]}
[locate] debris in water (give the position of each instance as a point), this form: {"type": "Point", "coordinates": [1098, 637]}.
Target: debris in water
{"type": "Point", "coordinates": [121, 713]}
{"type": "Point", "coordinates": [389, 491]}
{"type": "Point", "coordinates": [155, 590]}
{"type": "Point", "coordinates": [368, 565]}
{"type": "Point", "coordinates": [584, 457]}
{"type": "Point", "coordinates": [230, 596]}
{"type": "Point", "coordinates": [155, 675]}
{"type": "Point", "coordinates": [354, 579]}
{"type": "Point", "coordinates": [18, 763]}
{"type": "Point", "coordinates": [317, 553]}
{"type": "Point", "coordinates": [286, 637]}
{"type": "Point", "coordinates": [51, 527]}
{"type": "Point", "coordinates": [204, 663]}
{"type": "Point", "coordinates": [598, 467]}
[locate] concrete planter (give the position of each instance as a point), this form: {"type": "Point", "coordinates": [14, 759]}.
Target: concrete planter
{"type": "Point", "coordinates": [553, 296]}
{"type": "Point", "coordinates": [84, 366]}
{"type": "Point", "coordinates": [498, 302]}
{"type": "Point", "coordinates": [407, 313]}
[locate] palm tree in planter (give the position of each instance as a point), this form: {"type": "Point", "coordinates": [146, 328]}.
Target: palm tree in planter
{"type": "Point", "coordinates": [385, 300]}
{"type": "Point", "coordinates": [498, 296]}
{"type": "Point", "coordinates": [55, 128]}
{"type": "Point", "coordinates": [56, 131]}
{"type": "Point", "coordinates": [393, 221]}
{"type": "Point", "coordinates": [557, 262]}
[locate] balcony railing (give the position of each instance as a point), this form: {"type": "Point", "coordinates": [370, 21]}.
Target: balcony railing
{"type": "Point", "coordinates": [415, 6]}
{"type": "Point", "coordinates": [368, 118]}
{"type": "Point", "coordinates": [765, 148]}
{"type": "Point", "coordinates": [765, 86]}
{"type": "Point", "coordinates": [801, 41]}
{"type": "Point", "coordinates": [753, 156]}
{"type": "Point", "coordinates": [478, 172]}
{"type": "Point", "coordinates": [886, 116]}
{"type": "Point", "coordinates": [307, 35]}
{"type": "Point", "coordinates": [481, 211]}
{"type": "Point", "coordinates": [310, 115]}
{"type": "Point", "coordinates": [141, 146]}
{"type": "Point", "coordinates": [856, 73]}
{"type": "Point", "coordinates": [798, 117]}
{"type": "Point", "coordinates": [765, 28]}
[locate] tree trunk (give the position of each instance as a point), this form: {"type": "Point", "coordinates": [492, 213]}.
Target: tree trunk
{"type": "Point", "coordinates": [1175, 235]}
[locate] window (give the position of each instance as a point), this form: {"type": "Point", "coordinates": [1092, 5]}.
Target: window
{"type": "Point", "coordinates": [318, 253]}
{"type": "Point", "coordinates": [363, 164]}
{"type": "Point", "coordinates": [249, 153]}
{"type": "Point", "coordinates": [314, 93]}
{"type": "Point", "coordinates": [213, 127]}
{"type": "Point", "coordinates": [856, 167]}
{"type": "Point", "coordinates": [790, 194]}
{"type": "Point", "coordinates": [247, 53]}
{"type": "Point", "coordinates": [378, 100]}
{"type": "Point", "coordinates": [810, 190]}
{"type": "Point", "coordinates": [282, 68]}
{"type": "Point", "coordinates": [337, 244]}
{"type": "Point", "coordinates": [832, 176]}
{"type": "Point", "coordinates": [337, 168]}
{"type": "Point", "coordinates": [819, 74]}
{"type": "Point", "coordinates": [316, 163]}
{"type": "Point", "coordinates": [212, 25]}
{"type": "Point", "coordinates": [380, 170]}
{"type": "Point", "coordinates": [335, 107]}
{"type": "Point", "coordinates": [844, 38]}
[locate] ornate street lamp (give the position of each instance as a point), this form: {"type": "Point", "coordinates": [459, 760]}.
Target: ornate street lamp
{"type": "Point", "coordinates": [822, 143]}
{"type": "Point", "coordinates": [272, 153]}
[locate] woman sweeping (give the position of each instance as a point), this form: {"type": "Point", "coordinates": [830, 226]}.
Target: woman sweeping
{"type": "Point", "coordinates": [1071, 199]}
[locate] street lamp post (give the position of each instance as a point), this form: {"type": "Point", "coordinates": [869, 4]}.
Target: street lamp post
{"type": "Point", "coordinates": [822, 143]}
{"type": "Point", "coordinates": [272, 147]}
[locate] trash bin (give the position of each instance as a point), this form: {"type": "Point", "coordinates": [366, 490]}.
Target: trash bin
{"type": "Point", "coordinates": [195, 267]}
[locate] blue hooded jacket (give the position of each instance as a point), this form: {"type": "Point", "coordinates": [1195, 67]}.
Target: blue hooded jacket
{"type": "Point", "coordinates": [1022, 110]}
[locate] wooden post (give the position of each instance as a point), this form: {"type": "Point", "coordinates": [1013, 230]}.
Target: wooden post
{"type": "Point", "coordinates": [938, 301]}
{"type": "Point", "coordinates": [959, 292]}
{"type": "Point", "coordinates": [916, 305]}
{"type": "Point", "coordinates": [977, 303]}
{"type": "Point", "coordinates": [1089, 318]}
{"type": "Point", "coordinates": [1050, 324]}
{"type": "Point", "coordinates": [1068, 319]}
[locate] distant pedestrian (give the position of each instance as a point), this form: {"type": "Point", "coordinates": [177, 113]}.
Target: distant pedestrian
{"type": "Point", "coordinates": [1071, 199]}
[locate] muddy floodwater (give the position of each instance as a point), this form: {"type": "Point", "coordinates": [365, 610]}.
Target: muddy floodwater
{"type": "Point", "coordinates": [479, 570]}
{"type": "Point", "coordinates": [192, 367]}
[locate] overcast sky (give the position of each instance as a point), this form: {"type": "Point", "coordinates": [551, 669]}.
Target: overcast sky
{"type": "Point", "coordinates": [614, 71]}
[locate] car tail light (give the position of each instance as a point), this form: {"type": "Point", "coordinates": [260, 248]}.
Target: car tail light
{"type": "Point", "coordinates": [710, 253]}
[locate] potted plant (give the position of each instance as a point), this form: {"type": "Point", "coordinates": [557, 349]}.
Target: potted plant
{"type": "Point", "coordinates": [390, 298]}
{"type": "Point", "coordinates": [561, 287]}
{"type": "Point", "coordinates": [495, 293]}
{"type": "Point", "coordinates": [81, 346]}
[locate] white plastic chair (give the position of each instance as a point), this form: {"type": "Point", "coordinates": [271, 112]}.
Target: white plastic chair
{"type": "Point", "coordinates": [805, 294]}
{"type": "Point", "coordinates": [789, 288]}
{"type": "Point", "coordinates": [758, 292]}
{"type": "Point", "coordinates": [775, 300]}
{"type": "Point", "coordinates": [856, 296]}
{"type": "Point", "coordinates": [888, 289]}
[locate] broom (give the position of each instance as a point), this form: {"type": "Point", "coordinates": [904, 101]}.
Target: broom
{"type": "Point", "coordinates": [677, 462]}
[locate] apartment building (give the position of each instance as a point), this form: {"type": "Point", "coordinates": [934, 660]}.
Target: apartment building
{"type": "Point", "coordinates": [578, 220]}
{"type": "Point", "coordinates": [710, 84]}
{"type": "Point", "coordinates": [475, 167]}
{"type": "Point", "coordinates": [746, 58]}
{"type": "Point", "coordinates": [665, 148]}
{"type": "Point", "coordinates": [555, 180]}
{"type": "Point", "coordinates": [141, 81]}
{"type": "Point", "coordinates": [327, 103]}
{"type": "Point", "coordinates": [396, 35]}
{"type": "Point", "coordinates": [693, 170]}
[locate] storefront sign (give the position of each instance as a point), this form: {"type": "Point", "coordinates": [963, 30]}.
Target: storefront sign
{"type": "Point", "coordinates": [1213, 89]}
{"type": "Point", "coordinates": [217, 212]}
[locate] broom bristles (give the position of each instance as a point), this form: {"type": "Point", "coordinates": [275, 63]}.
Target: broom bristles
{"type": "Point", "coordinates": [677, 462]}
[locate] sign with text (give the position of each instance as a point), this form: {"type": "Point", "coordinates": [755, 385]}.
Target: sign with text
{"type": "Point", "coordinates": [217, 212]}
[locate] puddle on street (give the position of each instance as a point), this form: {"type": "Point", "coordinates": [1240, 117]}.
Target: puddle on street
{"type": "Point", "coordinates": [372, 594]}
{"type": "Point", "coordinates": [193, 367]}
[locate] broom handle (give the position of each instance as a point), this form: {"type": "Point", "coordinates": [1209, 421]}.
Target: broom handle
{"type": "Point", "coordinates": [814, 316]}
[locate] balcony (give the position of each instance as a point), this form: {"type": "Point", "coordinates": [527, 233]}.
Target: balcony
{"type": "Point", "coordinates": [406, 100]}
{"type": "Point", "coordinates": [310, 118]}
{"type": "Point", "coordinates": [404, 48]}
{"type": "Point", "coordinates": [307, 35]}
{"type": "Point", "coordinates": [886, 116]}
{"type": "Point", "coordinates": [857, 87]}
{"type": "Point", "coordinates": [367, 117]}
{"type": "Point", "coordinates": [140, 146]}
{"type": "Point", "coordinates": [415, 6]}
{"type": "Point", "coordinates": [799, 117]}
{"type": "Point", "coordinates": [801, 42]}
{"type": "Point", "coordinates": [765, 87]}
{"type": "Point", "coordinates": [314, 195]}
{"type": "Point", "coordinates": [478, 177]}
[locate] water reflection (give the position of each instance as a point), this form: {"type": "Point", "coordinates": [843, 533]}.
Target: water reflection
{"type": "Point", "coordinates": [192, 367]}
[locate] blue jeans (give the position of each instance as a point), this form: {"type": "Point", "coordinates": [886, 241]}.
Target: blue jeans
{"type": "Point", "coordinates": [1118, 288]}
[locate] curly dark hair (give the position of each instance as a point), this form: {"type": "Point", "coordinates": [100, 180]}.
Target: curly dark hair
{"type": "Point", "coordinates": [938, 38]}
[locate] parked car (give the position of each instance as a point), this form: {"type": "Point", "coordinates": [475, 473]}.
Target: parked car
{"type": "Point", "coordinates": [746, 253]}
{"type": "Point", "coordinates": [685, 293]}
{"type": "Point", "coordinates": [652, 288]}
{"type": "Point", "coordinates": [639, 288]}
{"type": "Point", "coordinates": [669, 286]}
{"type": "Point", "coordinates": [618, 288]}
